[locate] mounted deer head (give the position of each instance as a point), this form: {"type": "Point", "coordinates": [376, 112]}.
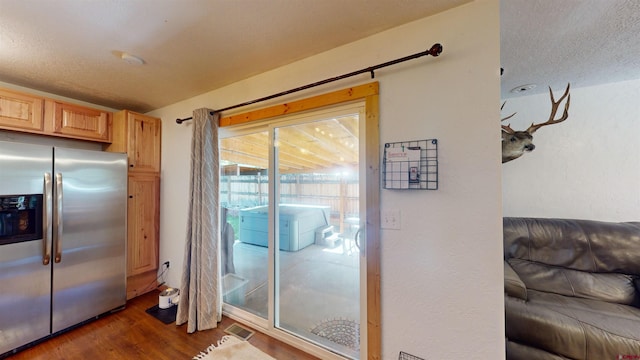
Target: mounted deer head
{"type": "Point", "coordinates": [516, 143]}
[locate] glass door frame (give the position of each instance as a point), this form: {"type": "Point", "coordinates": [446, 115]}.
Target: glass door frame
{"type": "Point", "coordinates": [318, 115]}
{"type": "Point", "coordinates": [367, 96]}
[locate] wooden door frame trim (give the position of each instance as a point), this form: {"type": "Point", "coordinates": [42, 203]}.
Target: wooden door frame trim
{"type": "Point", "coordinates": [370, 94]}
{"type": "Point", "coordinates": [315, 102]}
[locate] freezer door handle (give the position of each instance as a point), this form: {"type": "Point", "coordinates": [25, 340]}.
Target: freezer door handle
{"type": "Point", "coordinates": [46, 223]}
{"type": "Point", "coordinates": [58, 219]}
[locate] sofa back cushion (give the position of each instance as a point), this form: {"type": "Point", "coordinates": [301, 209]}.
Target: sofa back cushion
{"type": "Point", "coordinates": [513, 285]}
{"type": "Point", "coordinates": [584, 245]}
{"type": "Point", "coordinates": [610, 287]}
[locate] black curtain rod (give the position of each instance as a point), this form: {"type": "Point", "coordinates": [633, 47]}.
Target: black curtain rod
{"type": "Point", "coordinates": [435, 50]}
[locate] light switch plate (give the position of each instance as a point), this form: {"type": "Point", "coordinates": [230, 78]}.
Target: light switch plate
{"type": "Point", "coordinates": [390, 219]}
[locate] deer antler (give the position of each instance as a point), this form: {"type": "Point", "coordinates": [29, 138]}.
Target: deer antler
{"type": "Point", "coordinates": [554, 109]}
{"type": "Point", "coordinates": [507, 128]}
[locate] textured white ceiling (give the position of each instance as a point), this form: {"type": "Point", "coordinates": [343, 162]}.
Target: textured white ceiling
{"type": "Point", "coordinates": [584, 42]}
{"type": "Point", "coordinates": [72, 48]}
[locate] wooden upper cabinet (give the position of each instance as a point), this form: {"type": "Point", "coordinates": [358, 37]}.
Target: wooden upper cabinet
{"type": "Point", "coordinates": [39, 115]}
{"type": "Point", "coordinates": [139, 136]}
{"type": "Point", "coordinates": [144, 142]}
{"type": "Point", "coordinates": [21, 112]}
{"type": "Point", "coordinates": [79, 122]}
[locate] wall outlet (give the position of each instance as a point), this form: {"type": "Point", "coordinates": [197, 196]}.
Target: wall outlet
{"type": "Point", "coordinates": [390, 219]}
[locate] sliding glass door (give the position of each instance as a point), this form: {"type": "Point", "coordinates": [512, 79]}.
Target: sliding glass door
{"type": "Point", "coordinates": [291, 198]}
{"type": "Point", "coordinates": [317, 263]}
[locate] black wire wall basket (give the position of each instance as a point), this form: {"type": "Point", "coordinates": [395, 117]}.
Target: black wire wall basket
{"type": "Point", "coordinates": [405, 356]}
{"type": "Point", "coordinates": [411, 165]}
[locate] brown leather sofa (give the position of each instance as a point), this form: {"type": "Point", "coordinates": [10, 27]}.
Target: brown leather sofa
{"type": "Point", "coordinates": [572, 289]}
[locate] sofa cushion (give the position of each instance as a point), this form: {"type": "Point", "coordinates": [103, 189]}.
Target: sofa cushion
{"type": "Point", "coordinates": [610, 287]}
{"type": "Point", "coordinates": [585, 245]}
{"type": "Point", "coordinates": [517, 351]}
{"type": "Point", "coordinates": [513, 285]}
{"type": "Point", "coordinates": [573, 327]}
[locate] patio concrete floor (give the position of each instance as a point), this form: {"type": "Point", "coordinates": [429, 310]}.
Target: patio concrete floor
{"type": "Point", "coordinates": [318, 287]}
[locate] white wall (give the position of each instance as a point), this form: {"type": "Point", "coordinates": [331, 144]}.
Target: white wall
{"type": "Point", "coordinates": [587, 167]}
{"type": "Point", "coordinates": [442, 287]}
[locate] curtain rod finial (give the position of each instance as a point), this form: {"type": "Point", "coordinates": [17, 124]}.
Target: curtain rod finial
{"type": "Point", "coordinates": [435, 50]}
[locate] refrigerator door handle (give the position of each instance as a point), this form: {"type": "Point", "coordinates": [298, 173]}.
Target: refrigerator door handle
{"type": "Point", "coordinates": [46, 223]}
{"type": "Point", "coordinates": [58, 219]}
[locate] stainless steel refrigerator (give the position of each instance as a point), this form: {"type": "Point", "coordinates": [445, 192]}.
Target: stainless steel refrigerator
{"type": "Point", "coordinates": [62, 239]}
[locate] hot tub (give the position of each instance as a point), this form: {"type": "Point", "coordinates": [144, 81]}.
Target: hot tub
{"type": "Point", "coordinates": [298, 224]}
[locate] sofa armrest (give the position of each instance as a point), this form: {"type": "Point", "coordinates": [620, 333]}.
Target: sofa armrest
{"type": "Point", "coordinates": [513, 285]}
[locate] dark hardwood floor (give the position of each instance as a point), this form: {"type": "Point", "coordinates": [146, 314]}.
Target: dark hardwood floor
{"type": "Point", "coordinates": [134, 334]}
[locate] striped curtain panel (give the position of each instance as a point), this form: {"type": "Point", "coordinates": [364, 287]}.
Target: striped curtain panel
{"type": "Point", "coordinates": [200, 304]}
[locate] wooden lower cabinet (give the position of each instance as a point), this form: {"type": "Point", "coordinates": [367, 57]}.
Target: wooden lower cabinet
{"type": "Point", "coordinates": [143, 215]}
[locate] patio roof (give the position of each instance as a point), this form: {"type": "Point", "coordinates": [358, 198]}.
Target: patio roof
{"type": "Point", "coordinates": [320, 146]}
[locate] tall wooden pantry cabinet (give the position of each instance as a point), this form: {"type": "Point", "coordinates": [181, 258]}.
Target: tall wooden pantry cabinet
{"type": "Point", "coordinates": [139, 136]}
